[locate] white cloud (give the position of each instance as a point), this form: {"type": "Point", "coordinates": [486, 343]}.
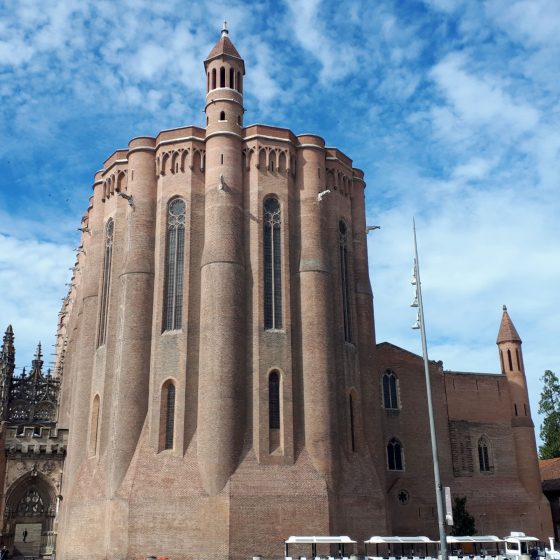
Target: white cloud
{"type": "Point", "coordinates": [337, 59]}
{"type": "Point", "coordinates": [28, 268]}
{"type": "Point", "coordinates": [481, 100]}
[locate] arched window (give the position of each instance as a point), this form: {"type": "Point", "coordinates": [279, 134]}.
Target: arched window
{"type": "Point", "coordinates": [213, 78]}
{"type": "Point", "coordinates": [272, 264]}
{"type": "Point", "coordinates": [518, 360]}
{"type": "Point", "coordinates": [231, 78]}
{"type": "Point", "coordinates": [395, 455]}
{"type": "Point", "coordinates": [94, 426]}
{"type": "Point", "coordinates": [167, 417]}
{"type": "Point", "coordinates": [274, 401]}
{"type": "Point", "coordinates": [484, 455]}
{"type": "Point", "coordinates": [351, 413]}
{"type": "Point", "coordinates": [208, 82]}
{"type": "Point", "coordinates": [104, 301]}
{"type": "Point", "coordinates": [174, 261]}
{"type": "Point", "coordinates": [222, 115]}
{"type": "Point", "coordinates": [222, 77]}
{"type": "Point", "coordinates": [502, 361]}
{"type": "Point", "coordinates": [509, 360]}
{"type": "Point", "coordinates": [390, 394]}
{"type": "Point", "coordinates": [344, 280]}
{"type": "Point", "coordinates": [239, 83]}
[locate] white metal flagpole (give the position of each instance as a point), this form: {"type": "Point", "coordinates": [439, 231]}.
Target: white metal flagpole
{"type": "Point", "coordinates": [420, 324]}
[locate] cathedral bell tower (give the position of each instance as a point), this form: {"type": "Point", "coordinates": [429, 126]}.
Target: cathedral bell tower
{"type": "Point", "coordinates": [511, 361]}
{"type": "Point", "coordinates": [222, 383]}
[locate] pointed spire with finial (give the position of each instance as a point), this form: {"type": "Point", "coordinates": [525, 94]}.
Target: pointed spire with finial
{"type": "Point", "coordinates": [37, 363]}
{"type": "Point", "coordinates": [507, 332]}
{"type": "Point", "coordinates": [224, 47]}
{"type": "Point", "coordinates": [8, 351]}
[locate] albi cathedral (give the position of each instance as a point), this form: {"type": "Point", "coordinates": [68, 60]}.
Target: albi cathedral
{"type": "Point", "coordinates": [218, 384]}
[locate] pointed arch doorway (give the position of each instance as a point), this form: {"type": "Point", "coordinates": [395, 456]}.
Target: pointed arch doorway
{"type": "Point", "coordinates": [29, 515]}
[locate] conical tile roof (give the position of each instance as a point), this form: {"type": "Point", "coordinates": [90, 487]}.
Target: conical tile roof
{"type": "Point", "coordinates": [224, 47]}
{"type": "Point", "coordinates": [507, 332]}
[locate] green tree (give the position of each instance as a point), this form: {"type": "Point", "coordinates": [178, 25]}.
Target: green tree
{"type": "Point", "coordinates": [463, 521]}
{"type": "Point", "coordinates": [549, 406]}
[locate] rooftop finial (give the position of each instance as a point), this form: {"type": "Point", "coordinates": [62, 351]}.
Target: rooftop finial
{"type": "Point", "coordinates": [504, 308]}
{"type": "Point", "coordinates": [225, 31]}
{"type": "Point", "coordinates": [38, 352]}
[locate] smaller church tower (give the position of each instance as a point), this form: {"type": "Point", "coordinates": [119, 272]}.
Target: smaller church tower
{"type": "Point", "coordinates": [511, 361]}
{"type": "Point", "coordinates": [7, 366]}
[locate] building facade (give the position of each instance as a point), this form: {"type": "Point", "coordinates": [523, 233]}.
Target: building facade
{"type": "Point", "coordinates": [220, 378]}
{"type": "Point", "coordinates": [34, 451]}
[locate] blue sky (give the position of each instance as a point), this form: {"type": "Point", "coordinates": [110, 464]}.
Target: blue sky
{"type": "Point", "coordinates": [451, 108]}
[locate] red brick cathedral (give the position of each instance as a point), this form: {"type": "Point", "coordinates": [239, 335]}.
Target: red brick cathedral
{"type": "Point", "coordinates": [221, 382]}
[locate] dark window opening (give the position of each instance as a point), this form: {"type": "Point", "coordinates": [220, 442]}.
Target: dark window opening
{"type": "Point", "coordinates": [483, 456]}
{"type": "Point", "coordinates": [394, 455]}
{"type": "Point", "coordinates": [525, 408]}
{"type": "Point", "coordinates": [231, 78]}
{"type": "Point", "coordinates": [239, 83]}
{"type": "Point", "coordinates": [222, 115]}
{"type": "Point", "coordinates": [213, 78]}
{"type": "Point", "coordinates": [274, 401]}
{"type": "Point", "coordinates": [518, 360]}
{"type": "Point", "coordinates": [390, 399]}
{"type": "Point", "coordinates": [169, 416]}
{"type": "Point", "coordinates": [515, 409]}
{"type": "Point", "coordinates": [351, 410]}
{"type": "Point", "coordinates": [509, 361]}
{"type": "Point", "coordinates": [502, 361]}
{"type": "Point", "coordinates": [344, 281]}
{"type": "Point", "coordinates": [222, 77]}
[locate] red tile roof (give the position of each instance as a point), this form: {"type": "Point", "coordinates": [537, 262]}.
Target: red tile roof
{"type": "Point", "coordinates": [507, 332]}
{"type": "Point", "coordinates": [223, 46]}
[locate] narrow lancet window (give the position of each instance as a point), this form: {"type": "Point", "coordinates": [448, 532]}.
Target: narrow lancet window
{"type": "Point", "coordinates": [169, 394]}
{"type": "Point", "coordinates": [272, 264]}
{"type": "Point", "coordinates": [231, 78]}
{"type": "Point", "coordinates": [483, 455]}
{"type": "Point", "coordinates": [94, 426]}
{"type": "Point", "coordinates": [222, 77]}
{"type": "Point", "coordinates": [344, 281]}
{"type": "Point", "coordinates": [394, 455]}
{"type": "Point", "coordinates": [510, 363]}
{"type": "Point", "coordinates": [390, 395]}
{"type": "Point", "coordinates": [174, 263]}
{"type": "Point", "coordinates": [274, 401]}
{"type": "Point", "coordinates": [104, 302]}
{"type": "Point", "coordinates": [351, 412]}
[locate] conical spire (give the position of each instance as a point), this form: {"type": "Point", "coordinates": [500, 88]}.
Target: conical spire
{"type": "Point", "coordinates": [507, 332]}
{"type": "Point", "coordinates": [224, 47]}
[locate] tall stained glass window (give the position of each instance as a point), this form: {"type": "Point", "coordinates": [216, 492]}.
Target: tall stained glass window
{"type": "Point", "coordinates": [174, 264]}
{"type": "Point", "coordinates": [104, 302]}
{"type": "Point", "coordinates": [272, 264]}
{"type": "Point", "coordinates": [344, 280]}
